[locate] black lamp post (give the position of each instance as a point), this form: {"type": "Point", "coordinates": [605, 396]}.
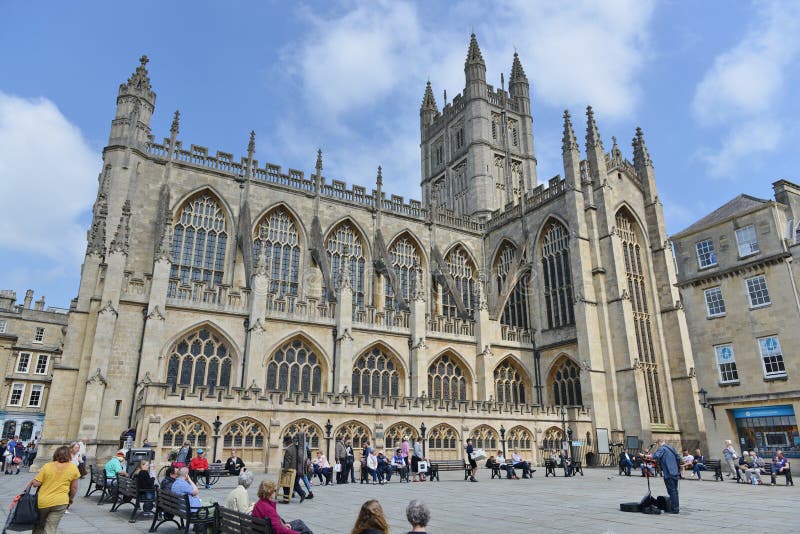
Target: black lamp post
{"type": "Point", "coordinates": [411, 366]}
{"type": "Point", "coordinates": [422, 430]}
{"type": "Point", "coordinates": [571, 448]}
{"type": "Point", "coordinates": [563, 425]}
{"type": "Point", "coordinates": [328, 428]}
{"type": "Point", "coordinates": [705, 404]}
{"type": "Point", "coordinates": [503, 439]}
{"type": "Point", "coordinates": [217, 424]}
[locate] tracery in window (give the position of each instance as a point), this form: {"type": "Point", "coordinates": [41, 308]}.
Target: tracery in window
{"type": "Point", "coordinates": [295, 368]}
{"type": "Point", "coordinates": [377, 373]}
{"type": "Point", "coordinates": [557, 276]}
{"type": "Point", "coordinates": [312, 431]}
{"type": "Point", "coordinates": [184, 429]}
{"type": "Point", "coordinates": [356, 432]}
{"type": "Point", "coordinates": [519, 437]}
{"type": "Point", "coordinates": [566, 383]}
{"type": "Point", "coordinates": [277, 233]}
{"type": "Point", "coordinates": [199, 241]}
{"type": "Point", "coordinates": [247, 437]}
{"type": "Point", "coordinates": [443, 437]}
{"type": "Point", "coordinates": [553, 439]}
{"type": "Point", "coordinates": [627, 229]}
{"type": "Point", "coordinates": [393, 437]}
{"type": "Point", "coordinates": [201, 358]}
{"type": "Point", "coordinates": [464, 275]}
{"type": "Point", "coordinates": [485, 437]}
{"type": "Point", "coordinates": [509, 382]}
{"type": "Point", "coordinates": [345, 244]}
{"type": "Point", "coordinates": [405, 258]}
{"type": "Point", "coordinates": [447, 379]}
{"type": "Point", "coordinates": [515, 311]}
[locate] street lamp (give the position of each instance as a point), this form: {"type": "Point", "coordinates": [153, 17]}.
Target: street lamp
{"type": "Point", "coordinates": [328, 428]}
{"type": "Point", "coordinates": [217, 424]}
{"type": "Point", "coordinates": [422, 430]}
{"type": "Point", "coordinates": [563, 426]}
{"type": "Point", "coordinates": [571, 448]}
{"type": "Point", "coordinates": [503, 439]}
{"type": "Point", "coordinates": [705, 404]}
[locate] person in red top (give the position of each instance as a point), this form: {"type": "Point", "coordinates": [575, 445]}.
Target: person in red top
{"type": "Point", "coordinates": [199, 466]}
{"type": "Point", "coordinates": [265, 508]}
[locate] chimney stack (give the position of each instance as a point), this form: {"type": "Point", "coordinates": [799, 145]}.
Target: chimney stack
{"type": "Point", "coordinates": [28, 299]}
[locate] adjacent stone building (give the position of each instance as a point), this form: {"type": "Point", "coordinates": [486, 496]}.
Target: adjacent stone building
{"type": "Point", "coordinates": [31, 338]}
{"type": "Point", "coordinates": [738, 279]}
{"type": "Point", "coordinates": [229, 302]}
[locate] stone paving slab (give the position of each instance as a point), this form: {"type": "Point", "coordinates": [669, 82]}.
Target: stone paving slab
{"type": "Point", "coordinates": [582, 504]}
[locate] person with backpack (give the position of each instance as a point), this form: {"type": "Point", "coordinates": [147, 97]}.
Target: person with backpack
{"type": "Point", "coordinates": [669, 459]}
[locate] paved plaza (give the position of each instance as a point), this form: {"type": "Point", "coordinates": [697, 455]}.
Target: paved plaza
{"type": "Point", "coordinates": [581, 504]}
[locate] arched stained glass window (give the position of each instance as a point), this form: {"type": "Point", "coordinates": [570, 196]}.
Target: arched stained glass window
{"type": "Point", "coordinates": [393, 437]}
{"type": "Point", "coordinates": [183, 429]}
{"type": "Point", "coordinates": [312, 431]}
{"type": "Point", "coordinates": [295, 367]}
{"type": "Point", "coordinates": [465, 277]}
{"type": "Point", "coordinates": [277, 234]}
{"type": "Point", "coordinates": [447, 379]}
{"type": "Point", "coordinates": [345, 244]}
{"type": "Point", "coordinates": [405, 259]}
{"type": "Point", "coordinates": [443, 438]}
{"type": "Point", "coordinates": [566, 384]}
{"type": "Point", "coordinates": [485, 437]}
{"type": "Point", "coordinates": [199, 241]}
{"type": "Point", "coordinates": [201, 358]}
{"type": "Point", "coordinates": [509, 383]}
{"type": "Point", "coordinates": [356, 432]}
{"type": "Point", "coordinates": [515, 311]}
{"type": "Point", "coordinates": [378, 374]}
{"type": "Point", "coordinates": [553, 439]}
{"type": "Point", "coordinates": [642, 321]}
{"type": "Point", "coordinates": [519, 437]}
{"type": "Point", "coordinates": [557, 276]}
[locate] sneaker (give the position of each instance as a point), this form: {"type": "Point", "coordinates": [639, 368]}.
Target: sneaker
{"type": "Point", "coordinates": [208, 486]}
{"type": "Point", "coordinates": [310, 495]}
{"type": "Point", "coordinates": [302, 498]}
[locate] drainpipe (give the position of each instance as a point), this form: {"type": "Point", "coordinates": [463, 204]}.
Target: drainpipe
{"type": "Point", "coordinates": [246, 348]}
{"type": "Point", "coordinates": [138, 365]}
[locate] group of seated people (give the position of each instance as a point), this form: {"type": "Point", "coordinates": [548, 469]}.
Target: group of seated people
{"type": "Point", "coordinates": [510, 466]}
{"type": "Point", "coordinates": [380, 467]}
{"type": "Point", "coordinates": [563, 460]}
{"type": "Point", "coordinates": [693, 462]}
{"type": "Point", "coordinates": [751, 467]}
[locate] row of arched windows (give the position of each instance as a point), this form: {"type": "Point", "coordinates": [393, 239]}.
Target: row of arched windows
{"type": "Point", "coordinates": [202, 358]}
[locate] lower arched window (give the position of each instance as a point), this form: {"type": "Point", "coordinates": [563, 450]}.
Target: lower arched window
{"type": "Point", "coordinates": [443, 438]}
{"type": "Point", "coordinates": [519, 438]}
{"type": "Point", "coordinates": [567, 384]}
{"type": "Point", "coordinates": [447, 379]}
{"type": "Point", "coordinates": [312, 432]}
{"type": "Point", "coordinates": [485, 437]}
{"type": "Point", "coordinates": [293, 368]}
{"type": "Point", "coordinates": [200, 359]}
{"type": "Point", "coordinates": [509, 384]}
{"type": "Point", "coordinates": [377, 374]}
{"type": "Point", "coordinates": [553, 439]}
{"type": "Point", "coordinates": [356, 432]}
{"type": "Point", "coordinates": [393, 437]}
{"type": "Point", "coordinates": [185, 429]}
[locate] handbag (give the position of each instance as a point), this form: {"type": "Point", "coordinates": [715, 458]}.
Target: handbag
{"type": "Point", "coordinates": [422, 467]}
{"type": "Point", "coordinates": [337, 468]}
{"type": "Point", "coordinates": [24, 512]}
{"type": "Point", "coordinates": [478, 455]}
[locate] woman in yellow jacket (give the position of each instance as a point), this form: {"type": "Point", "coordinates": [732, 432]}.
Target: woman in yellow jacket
{"type": "Point", "coordinates": [58, 483]}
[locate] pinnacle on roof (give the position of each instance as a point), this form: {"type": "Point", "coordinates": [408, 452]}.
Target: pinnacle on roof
{"type": "Point", "coordinates": [140, 79]}
{"type": "Point", "coordinates": [640, 154]}
{"type": "Point", "coordinates": [616, 153]}
{"type": "Point", "coordinates": [517, 72]}
{"type": "Point", "coordinates": [176, 123]}
{"type": "Point", "coordinates": [319, 162]}
{"type": "Point", "coordinates": [568, 141]}
{"type": "Point", "coordinates": [122, 235]}
{"type": "Point", "coordinates": [379, 178]}
{"type": "Point", "coordinates": [251, 146]}
{"type": "Point", "coordinates": [592, 134]}
{"type": "Point", "coordinates": [428, 100]}
{"type": "Point", "coordinates": [474, 52]}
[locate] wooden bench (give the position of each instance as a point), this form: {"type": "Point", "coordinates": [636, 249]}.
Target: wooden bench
{"type": "Point", "coordinates": [716, 467]}
{"type": "Point", "coordinates": [449, 465]}
{"type": "Point", "coordinates": [98, 480]}
{"type": "Point", "coordinates": [216, 470]}
{"type": "Point", "coordinates": [128, 488]}
{"type": "Point", "coordinates": [550, 468]}
{"type": "Point", "coordinates": [171, 508]}
{"type": "Point", "coordinates": [788, 473]}
{"type": "Point", "coordinates": [233, 522]}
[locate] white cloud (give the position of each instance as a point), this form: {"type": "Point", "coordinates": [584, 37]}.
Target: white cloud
{"type": "Point", "coordinates": [742, 89]}
{"type": "Point", "coordinates": [48, 177]}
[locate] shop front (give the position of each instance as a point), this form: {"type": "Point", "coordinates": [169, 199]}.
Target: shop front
{"type": "Point", "coordinates": [768, 429]}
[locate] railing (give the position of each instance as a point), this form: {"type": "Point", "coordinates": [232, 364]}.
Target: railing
{"type": "Point", "coordinates": [513, 333]}
{"type": "Point", "coordinates": [201, 295]}
{"type": "Point", "coordinates": [453, 326]}
{"type": "Point", "coordinates": [371, 317]}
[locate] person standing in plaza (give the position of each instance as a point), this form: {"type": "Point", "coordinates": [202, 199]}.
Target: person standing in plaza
{"type": "Point", "coordinates": [416, 458]}
{"type": "Point", "coordinates": [291, 457]}
{"type": "Point", "coordinates": [472, 463]}
{"type": "Point", "coordinates": [340, 455]}
{"type": "Point", "coordinates": [729, 453]}
{"type": "Point", "coordinates": [351, 462]}
{"type": "Point", "coordinates": [669, 459]}
{"type": "Point", "coordinates": [82, 452]}
{"type": "Point", "coordinates": [58, 483]}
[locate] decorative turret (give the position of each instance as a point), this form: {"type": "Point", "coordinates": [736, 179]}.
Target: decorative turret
{"type": "Point", "coordinates": [428, 111]}
{"type": "Point", "coordinates": [136, 102]}
{"type": "Point", "coordinates": [475, 71]}
{"type": "Point", "coordinates": [595, 156]}
{"type": "Point", "coordinates": [571, 154]}
{"type": "Point", "coordinates": [121, 239]}
{"type": "Point", "coordinates": [97, 234]}
{"type": "Point", "coordinates": [518, 87]}
{"type": "Point", "coordinates": [592, 134]}
{"type": "Point", "coordinates": [644, 166]}
{"type": "Point", "coordinates": [568, 141]}
{"type": "Point", "coordinates": [616, 153]}
{"type": "Point", "coordinates": [174, 130]}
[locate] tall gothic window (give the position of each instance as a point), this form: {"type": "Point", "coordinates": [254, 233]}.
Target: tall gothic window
{"type": "Point", "coordinates": [377, 374]}
{"type": "Point", "coordinates": [447, 379]}
{"type": "Point", "coordinates": [356, 432]}
{"type": "Point", "coordinates": [405, 259]}
{"type": "Point", "coordinates": [509, 384]}
{"type": "Point", "coordinates": [277, 233]}
{"type": "Point", "coordinates": [393, 437]}
{"type": "Point", "coordinates": [188, 428]}
{"type": "Point", "coordinates": [201, 358]}
{"type": "Point", "coordinates": [557, 276]}
{"type": "Point", "coordinates": [199, 241]}
{"type": "Point", "coordinates": [515, 312]}
{"type": "Point", "coordinates": [485, 437]}
{"type": "Point", "coordinates": [312, 431]}
{"type": "Point", "coordinates": [295, 368]}
{"type": "Point", "coordinates": [566, 383]}
{"type": "Point", "coordinates": [464, 274]}
{"type": "Point", "coordinates": [345, 244]}
{"type": "Point", "coordinates": [642, 321]}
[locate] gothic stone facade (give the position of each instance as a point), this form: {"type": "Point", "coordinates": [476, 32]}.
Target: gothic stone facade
{"type": "Point", "coordinates": [31, 339]}
{"type": "Point", "coordinates": [215, 288]}
{"type": "Point", "coordinates": [739, 279]}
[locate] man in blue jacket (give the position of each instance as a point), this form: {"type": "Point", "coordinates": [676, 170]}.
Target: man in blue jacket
{"type": "Point", "coordinates": [669, 459]}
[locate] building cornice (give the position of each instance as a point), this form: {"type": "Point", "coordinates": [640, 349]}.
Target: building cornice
{"type": "Point", "coordinates": [734, 270]}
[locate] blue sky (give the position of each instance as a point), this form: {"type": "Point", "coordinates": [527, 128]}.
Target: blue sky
{"type": "Point", "coordinates": [709, 82]}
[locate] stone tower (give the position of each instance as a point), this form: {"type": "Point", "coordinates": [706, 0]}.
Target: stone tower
{"type": "Point", "coordinates": [477, 154]}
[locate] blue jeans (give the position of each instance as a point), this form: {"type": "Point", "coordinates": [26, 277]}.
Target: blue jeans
{"type": "Point", "coordinates": [697, 468]}
{"type": "Point", "coordinates": [671, 482]}
{"type": "Point", "coordinates": [626, 465]}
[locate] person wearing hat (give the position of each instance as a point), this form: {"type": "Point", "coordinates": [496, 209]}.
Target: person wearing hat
{"type": "Point", "coordinates": [115, 466]}
{"type": "Point", "coordinates": [199, 466]}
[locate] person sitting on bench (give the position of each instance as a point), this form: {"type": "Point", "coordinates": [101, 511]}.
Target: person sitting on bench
{"type": "Point", "coordinates": [626, 462]}
{"type": "Point", "coordinates": [199, 467]}
{"type": "Point", "coordinates": [505, 466]}
{"type": "Point", "coordinates": [780, 466]}
{"type": "Point", "coordinates": [519, 463]}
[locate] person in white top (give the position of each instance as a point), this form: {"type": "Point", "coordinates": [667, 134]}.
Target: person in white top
{"type": "Point", "coordinates": [323, 468]}
{"type": "Point", "coordinates": [372, 465]}
{"type": "Point", "coordinates": [508, 468]}
{"type": "Point", "coordinates": [519, 463]}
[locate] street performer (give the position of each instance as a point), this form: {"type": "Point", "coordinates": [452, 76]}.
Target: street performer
{"type": "Point", "coordinates": [669, 459]}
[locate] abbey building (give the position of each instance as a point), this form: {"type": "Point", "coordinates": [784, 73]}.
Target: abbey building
{"type": "Point", "coordinates": [229, 302]}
